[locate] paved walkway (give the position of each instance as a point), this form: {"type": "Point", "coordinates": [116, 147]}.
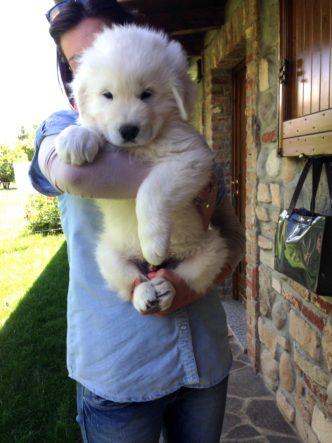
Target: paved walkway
{"type": "Point", "coordinates": [252, 415]}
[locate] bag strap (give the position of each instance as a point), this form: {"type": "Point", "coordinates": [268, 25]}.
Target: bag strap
{"type": "Point", "coordinates": [317, 165]}
{"type": "Point", "coordinates": [328, 166]}
{"type": "Point", "coordinates": [299, 185]}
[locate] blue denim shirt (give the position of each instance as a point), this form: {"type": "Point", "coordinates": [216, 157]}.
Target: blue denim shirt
{"type": "Point", "coordinates": [112, 350]}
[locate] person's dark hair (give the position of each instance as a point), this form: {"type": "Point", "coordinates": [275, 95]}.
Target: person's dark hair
{"type": "Point", "coordinates": [72, 13]}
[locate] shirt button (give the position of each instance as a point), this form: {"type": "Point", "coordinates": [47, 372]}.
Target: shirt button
{"type": "Point", "coordinates": [183, 328]}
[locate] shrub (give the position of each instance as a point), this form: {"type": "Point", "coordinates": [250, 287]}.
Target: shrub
{"type": "Point", "coordinates": [6, 166]}
{"type": "Point", "coordinates": [42, 214]}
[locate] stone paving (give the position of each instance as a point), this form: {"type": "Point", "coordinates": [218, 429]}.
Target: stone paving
{"type": "Point", "coordinates": [252, 415]}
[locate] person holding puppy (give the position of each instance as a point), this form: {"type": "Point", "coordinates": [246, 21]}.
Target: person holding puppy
{"type": "Point", "coordinates": [136, 374]}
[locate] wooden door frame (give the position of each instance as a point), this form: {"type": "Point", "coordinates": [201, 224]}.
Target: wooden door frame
{"type": "Point", "coordinates": [239, 166]}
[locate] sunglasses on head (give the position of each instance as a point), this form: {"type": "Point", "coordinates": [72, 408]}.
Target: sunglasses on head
{"type": "Point", "coordinates": [58, 7]}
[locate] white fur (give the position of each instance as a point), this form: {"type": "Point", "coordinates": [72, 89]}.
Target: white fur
{"type": "Point", "coordinates": [163, 222]}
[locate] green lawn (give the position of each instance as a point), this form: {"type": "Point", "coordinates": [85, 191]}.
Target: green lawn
{"type": "Point", "coordinates": [12, 210]}
{"type": "Point", "coordinates": [37, 400]}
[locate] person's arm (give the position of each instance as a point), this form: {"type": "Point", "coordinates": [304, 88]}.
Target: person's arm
{"type": "Point", "coordinates": [110, 175]}
{"type": "Point", "coordinates": [230, 228]}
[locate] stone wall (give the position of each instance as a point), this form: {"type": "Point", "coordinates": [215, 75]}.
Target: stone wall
{"type": "Point", "coordinates": [289, 329]}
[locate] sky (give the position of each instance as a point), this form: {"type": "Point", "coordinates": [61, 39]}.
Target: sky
{"type": "Point", "coordinates": [29, 89]}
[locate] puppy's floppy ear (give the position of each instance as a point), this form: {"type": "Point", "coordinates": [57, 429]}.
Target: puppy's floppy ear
{"type": "Point", "coordinates": [180, 102]}
{"type": "Point", "coordinates": [80, 96]}
{"type": "Point", "coordinates": [81, 100]}
{"type": "Point", "coordinates": [181, 85]}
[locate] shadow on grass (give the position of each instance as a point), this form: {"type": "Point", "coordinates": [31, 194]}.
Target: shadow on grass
{"type": "Point", "coordinates": [37, 399]}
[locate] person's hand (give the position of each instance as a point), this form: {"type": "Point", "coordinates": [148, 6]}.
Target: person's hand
{"type": "Point", "coordinates": [206, 201]}
{"type": "Point", "coordinates": [184, 295]}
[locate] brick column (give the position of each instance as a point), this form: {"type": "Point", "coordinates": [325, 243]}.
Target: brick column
{"type": "Point", "coordinates": [237, 40]}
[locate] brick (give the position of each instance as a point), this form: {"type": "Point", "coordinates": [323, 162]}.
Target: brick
{"type": "Point", "coordinates": [253, 349]}
{"type": "Point", "coordinates": [321, 425]}
{"type": "Point", "coordinates": [264, 305]}
{"type": "Point", "coordinates": [269, 367]}
{"type": "Point", "coordinates": [276, 285]}
{"type": "Point", "coordinates": [301, 290]}
{"type": "Point", "coordinates": [303, 408]}
{"type": "Point", "coordinates": [252, 312]}
{"type": "Point", "coordinates": [263, 193]}
{"type": "Point", "coordinates": [286, 372]}
{"type": "Point", "coordinates": [285, 407]}
{"type": "Point", "coordinates": [273, 164]}
{"type": "Point", "coordinates": [263, 75]}
{"type": "Point", "coordinates": [279, 314]}
{"type": "Point", "coordinates": [304, 429]}
{"type": "Point", "coordinates": [283, 342]}
{"type": "Point", "coordinates": [265, 243]}
{"type": "Point", "coordinates": [315, 319]}
{"type": "Point", "coordinates": [275, 194]}
{"type": "Point", "coordinates": [316, 394]}
{"type": "Point", "coordinates": [313, 371]}
{"type": "Point", "coordinates": [291, 296]}
{"type": "Point", "coordinates": [310, 398]}
{"type": "Point", "coordinates": [323, 303]}
{"type": "Point", "coordinates": [304, 334]}
{"type": "Point", "coordinates": [289, 168]}
{"type": "Point", "coordinates": [268, 229]}
{"type": "Point", "coordinates": [274, 214]}
{"type": "Point", "coordinates": [309, 311]}
{"type": "Point", "coordinates": [318, 391]}
{"type": "Point", "coordinates": [329, 393]}
{"type": "Point", "coordinates": [300, 387]}
{"type": "Point", "coordinates": [269, 137]}
{"type": "Point", "coordinates": [267, 335]}
{"type": "Point", "coordinates": [327, 345]}
{"type": "Point", "coordinates": [252, 280]}
{"type": "Point", "coordinates": [267, 258]}
{"type": "Point", "coordinates": [262, 213]}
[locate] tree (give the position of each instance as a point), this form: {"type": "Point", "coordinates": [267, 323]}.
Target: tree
{"type": "Point", "coordinates": [25, 144]}
{"type": "Point", "coordinates": [6, 166]}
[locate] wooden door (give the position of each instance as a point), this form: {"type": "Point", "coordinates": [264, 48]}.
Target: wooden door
{"type": "Point", "coordinates": [239, 166]}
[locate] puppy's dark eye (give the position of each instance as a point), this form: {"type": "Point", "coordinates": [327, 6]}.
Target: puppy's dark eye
{"type": "Point", "coordinates": [146, 94]}
{"type": "Point", "coordinates": [108, 95]}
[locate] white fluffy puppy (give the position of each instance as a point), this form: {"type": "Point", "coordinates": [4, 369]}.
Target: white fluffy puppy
{"type": "Point", "coordinates": [133, 91]}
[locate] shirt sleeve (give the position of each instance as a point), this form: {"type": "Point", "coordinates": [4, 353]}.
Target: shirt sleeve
{"type": "Point", "coordinates": [53, 125]}
{"type": "Point", "coordinates": [112, 174]}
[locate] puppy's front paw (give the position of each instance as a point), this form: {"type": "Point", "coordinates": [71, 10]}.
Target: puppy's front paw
{"type": "Point", "coordinates": [156, 293]}
{"type": "Point", "coordinates": [77, 145]}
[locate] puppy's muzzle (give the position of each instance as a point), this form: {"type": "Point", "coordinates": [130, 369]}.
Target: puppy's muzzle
{"type": "Point", "coordinates": [129, 132]}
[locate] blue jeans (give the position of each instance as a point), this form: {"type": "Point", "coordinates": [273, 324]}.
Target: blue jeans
{"type": "Point", "coordinates": [186, 416]}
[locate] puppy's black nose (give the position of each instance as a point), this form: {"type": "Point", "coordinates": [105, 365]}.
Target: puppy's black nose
{"type": "Point", "coordinates": [129, 132]}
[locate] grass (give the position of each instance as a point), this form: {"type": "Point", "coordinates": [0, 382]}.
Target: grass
{"type": "Point", "coordinates": [37, 400]}
{"type": "Point", "coordinates": [12, 209]}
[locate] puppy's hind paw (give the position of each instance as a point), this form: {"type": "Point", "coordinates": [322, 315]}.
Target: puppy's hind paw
{"type": "Point", "coordinates": [156, 293]}
{"type": "Point", "coordinates": [155, 248]}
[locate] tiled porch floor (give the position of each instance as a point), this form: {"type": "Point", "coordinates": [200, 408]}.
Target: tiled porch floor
{"type": "Point", "coordinates": [252, 415]}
